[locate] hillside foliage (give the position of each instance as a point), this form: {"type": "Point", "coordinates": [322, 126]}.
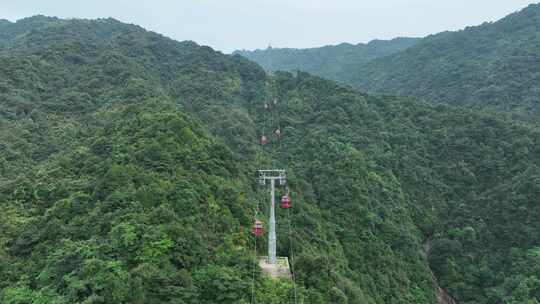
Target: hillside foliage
{"type": "Point", "coordinates": [493, 66]}
{"type": "Point", "coordinates": [336, 62]}
{"type": "Point", "coordinates": [127, 172]}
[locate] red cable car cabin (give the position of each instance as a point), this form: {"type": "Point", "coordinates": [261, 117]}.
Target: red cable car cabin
{"type": "Point", "coordinates": [257, 229]}
{"type": "Point", "coordinates": [264, 140]}
{"type": "Point", "coordinates": [285, 202]}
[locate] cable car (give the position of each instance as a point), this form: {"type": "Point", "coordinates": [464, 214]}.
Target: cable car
{"type": "Point", "coordinates": [266, 106]}
{"type": "Point", "coordinates": [264, 140]}
{"type": "Point", "coordinates": [285, 202]}
{"type": "Point", "coordinates": [257, 229]}
{"type": "Point", "coordinates": [277, 133]}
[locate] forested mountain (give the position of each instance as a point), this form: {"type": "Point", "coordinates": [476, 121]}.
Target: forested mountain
{"type": "Point", "coordinates": [8, 30]}
{"type": "Point", "coordinates": [493, 66]}
{"type": "Point", "coordinates": [127, 165]}
{"type": "Point", "coordinates": [335, 62]}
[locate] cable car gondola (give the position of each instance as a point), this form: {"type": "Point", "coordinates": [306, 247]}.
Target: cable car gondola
{"type": "Point", "coordinates": [257, 229]}
{"type": "Point", "coordinates": [277, 133]}
{"type": "Point", "coordinates": [285, 202]}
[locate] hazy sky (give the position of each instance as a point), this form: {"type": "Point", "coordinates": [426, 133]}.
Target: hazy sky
{"type": "Point", "coordinates": [248, 24]}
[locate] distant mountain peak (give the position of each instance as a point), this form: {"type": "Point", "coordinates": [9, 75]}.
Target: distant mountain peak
{"type": "Point", "coordinates": [37, 18]}
{"type": "Point", "coordinates": [330, 61]}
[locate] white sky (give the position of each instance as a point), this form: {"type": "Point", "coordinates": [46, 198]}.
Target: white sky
{"type": "Point", "coordinates": [228, 25]}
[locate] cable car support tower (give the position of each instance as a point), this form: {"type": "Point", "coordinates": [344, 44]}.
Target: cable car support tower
{"type": "Point", "coordinates": [280, 177]}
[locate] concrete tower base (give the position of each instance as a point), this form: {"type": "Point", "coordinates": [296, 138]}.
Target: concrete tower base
{"type": "Point", "coordinates": [280, 270]}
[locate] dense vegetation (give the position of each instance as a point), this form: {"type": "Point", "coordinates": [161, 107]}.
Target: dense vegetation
{"type": "Point", "coordinates": [493, 66]}
{"type": "Point", "coordinates": [126, 176]}
{"type": "Point", "coordinates": [336, 62]}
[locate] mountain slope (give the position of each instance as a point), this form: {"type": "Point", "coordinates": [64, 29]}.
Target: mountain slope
{"type": "Point", "coordinates": [9, 30]}
{"type": "Point", "coordinates": [103, 156]}
{"type": "Point", "coordinates": [332, 62]}
{"type": "Point", "coordinates": [493, 66]}
{"type": "Point", "coordinates": [127, 171]}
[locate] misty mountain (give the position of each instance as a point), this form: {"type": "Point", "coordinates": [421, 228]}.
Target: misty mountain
{"type": "Point", "coordinates": [335, 62]}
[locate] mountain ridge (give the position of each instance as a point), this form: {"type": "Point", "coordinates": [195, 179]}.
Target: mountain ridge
{"type": "Point", "coordinates": [331, 60]}
{"type": "Point", "coordinates": [127, 172]}
{"type": "Point", "coordinates": [492, 66]}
